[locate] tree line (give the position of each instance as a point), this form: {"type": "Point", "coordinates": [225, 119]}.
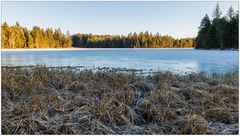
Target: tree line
{"type": "Point", "coordinates": [220, 32]}
{"type": "Point", "coordinates": [132, 40]}
{"type": "Point", "coordinates": [18, 37]}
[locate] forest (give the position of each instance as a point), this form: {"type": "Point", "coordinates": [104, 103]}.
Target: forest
{"type": "Point", "coordinates": [141, 40]}
{"type": "Point", "coordinates": [220, 32]}
{"type": "Point", "coordinates": [18, 37]}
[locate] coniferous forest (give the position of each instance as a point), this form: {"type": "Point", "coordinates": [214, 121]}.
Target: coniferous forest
{"type": "Point", "coordinates": [18, 37]}
{"type": "Point", "coordinates": [220, 32]}
{"type": "Point", "coordinates": [141, 40]}
{"type": "Point", "coordinates": [216, 33]}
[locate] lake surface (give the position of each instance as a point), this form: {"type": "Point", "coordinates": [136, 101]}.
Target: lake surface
{"type": "Point", "coordinates": [175, 60]}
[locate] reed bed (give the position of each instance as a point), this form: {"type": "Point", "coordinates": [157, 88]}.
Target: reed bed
{"type": "Point", "coordinates": [39, 100]}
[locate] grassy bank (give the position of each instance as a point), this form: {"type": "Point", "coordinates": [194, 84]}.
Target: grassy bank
{"type": "Point", "coordinates": [39, 100]}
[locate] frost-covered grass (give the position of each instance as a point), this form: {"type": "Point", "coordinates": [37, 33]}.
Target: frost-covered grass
{"type": "Point", "coordinates": [39, 100]}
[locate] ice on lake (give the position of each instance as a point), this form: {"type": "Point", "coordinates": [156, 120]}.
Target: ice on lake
{"type": "Point", "coordinates": [175, 60]}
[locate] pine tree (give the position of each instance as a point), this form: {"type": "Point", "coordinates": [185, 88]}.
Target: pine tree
{"type": "Point", "coordinates": [203, 32]}
{"type": "Point", "coordinates": [12, 38]}
{"type": "Point", "coordinates": [217, 12]}
{"type": "Point", "coordinates": [235, 31]}
{"type": "Point", "coordinates": [68, 40]}
{"type": "Point", "coordinates": [5, 35]}
{"type": "Point", "coordinates": [230, 13]}
{"type": "Point", "coordinates": [212, 40]}
{"type": "Point", "coordinates": [19, 36]}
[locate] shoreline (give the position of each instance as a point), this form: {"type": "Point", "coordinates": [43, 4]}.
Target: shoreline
{"type": "Point", "coordinates": [63, 49]}
{"type": "Point", "coordinates": [142, 72]}
{"type": "Point", "coordinates": [218, 49]}
{"type": "Point", "coordinates": [80, 49]}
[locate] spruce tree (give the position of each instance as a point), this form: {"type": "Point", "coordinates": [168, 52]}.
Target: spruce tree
{"type": "Point", "coordinates": [203, 32]}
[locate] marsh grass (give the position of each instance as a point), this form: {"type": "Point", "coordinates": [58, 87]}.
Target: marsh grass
{"type": "Point", "coordinates": [40, 100]}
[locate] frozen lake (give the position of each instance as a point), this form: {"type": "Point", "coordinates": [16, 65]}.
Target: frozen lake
{"type": "Point", "coordinates": [176, 60]}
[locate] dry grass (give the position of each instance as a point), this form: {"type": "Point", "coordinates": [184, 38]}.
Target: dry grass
{"type": "Point", "coordinates": [195, 125]}
{"type": "Point", "coordinates": [41, 100]}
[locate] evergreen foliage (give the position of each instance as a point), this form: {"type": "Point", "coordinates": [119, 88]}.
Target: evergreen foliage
{"type": "Point", "coordinates": [220, 32]}
{"type": "Point", "coordinates": [18, 37]}
{"type": "Point", "coordinates": [141, 40]}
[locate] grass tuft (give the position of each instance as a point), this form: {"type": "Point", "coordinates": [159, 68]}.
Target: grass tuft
{"type": "Point", "coordinates": [41, 100]}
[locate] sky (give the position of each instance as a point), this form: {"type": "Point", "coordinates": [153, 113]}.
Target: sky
{"type": "Point", "coordinates": [178, 19]}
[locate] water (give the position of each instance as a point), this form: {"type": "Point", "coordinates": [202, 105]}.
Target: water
{"type": "Point", "coordinates": [175, 60]}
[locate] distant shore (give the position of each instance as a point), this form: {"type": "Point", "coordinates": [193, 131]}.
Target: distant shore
{"type": "Point", "coordinates": [233, 49]}
{"type": "Point", "coordinates": [60, 49]}
{"type": "Point", "coordinates": [66, 49]}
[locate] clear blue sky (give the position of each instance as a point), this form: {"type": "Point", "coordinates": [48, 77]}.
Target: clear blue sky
{"type": "Point", "coordinates": [178, 19]}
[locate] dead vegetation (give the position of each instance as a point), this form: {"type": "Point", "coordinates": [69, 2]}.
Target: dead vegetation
{"type": "Point", "coordinates": [40, 100]}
